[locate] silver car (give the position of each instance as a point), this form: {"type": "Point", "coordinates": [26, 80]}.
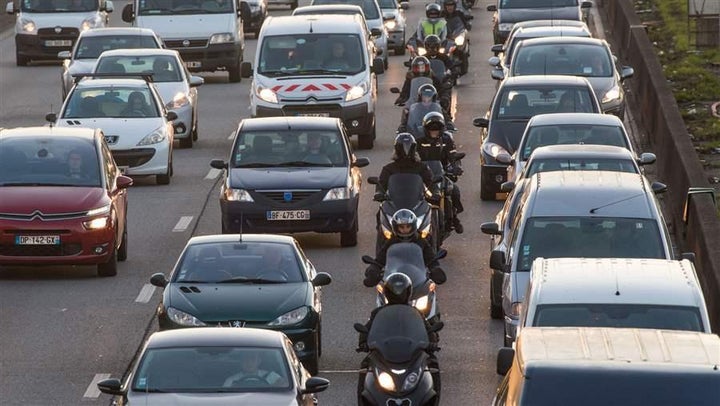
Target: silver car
{"type": "Point", "coordinates": [393, 13]}
{"type": "Point", "coordinates": [177, 87]}
{"type": "Point", "coordinates": [92, 43]}
{"type": "Point", "coordinates": [217, 366]}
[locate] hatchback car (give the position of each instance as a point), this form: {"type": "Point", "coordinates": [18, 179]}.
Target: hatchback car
{"type": "Point", "coordinates": [62, 199]}
{"type": "Point", "coordinates": [254, 13]}
{"type": "Point", "coordinates": [133, 117]}
{"type": "Point", "coordinates": [250, 280]}
{"type": "Point", "coordinates": [393, 12]}
{"type": "Point", "coordinates": [177, 87]}
{"type": "Point", "coordinates": [508, 12]}
{"type": "Point", "coordinates": [218, 366]}
{"type": "Point", "coordinates": [291, 174]}
{"type": "Point", "coordinates": [92, 43]}
{"type": "Point", "coordinates": [517, 100]}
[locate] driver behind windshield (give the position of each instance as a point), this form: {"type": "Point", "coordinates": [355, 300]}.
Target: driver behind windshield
{"type": "Point", "coordinates": [251, 374]}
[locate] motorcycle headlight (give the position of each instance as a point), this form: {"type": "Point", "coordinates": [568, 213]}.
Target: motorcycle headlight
{"type": "Point", "coordinates": [411, 380]}
{"type": "Point", "coordinates": [222, 38]}
{"type": "Point", "coordinates": [337, 193]}
{"type": "Point", "coordinates": [505, 26]}
{"type": "Point", "coordinates": [390, 24]}
{"type": "Point", "coordinates": [612, 94]}
{"type": "Point", "coordinates": [494, 150]}
{"type": "Point", "coordinates": [442, 50]}
{"type": "Point", "coordinates": [237, 195]}
{"type": "Point", "coordinates": [356, 92]}
{"type": "Point", "coordinates": [386, 381]}
{"type": "Point", "coordinates": [179, 100]}
{"type": "Point", "coordinates": [291, 317]}
{"type": "Point", "coordinates": [96, 224]}
{"type": "Point", "coordinates": [459, 40]}
{"type": "Point", "coordinates": [266, 94]}
{"type": "Point", "coordinates": [154, 137]}
{"type": "Point", "coordinates": [182, 318]}
{"type": "Point", "coordinates": [89, 23]}
{"type": "Point", "coordinates": [421, 51]}
{"type": "Point", "coordinates": [28, 26]}
{"type": "Point", "coordinates": [422, 303]}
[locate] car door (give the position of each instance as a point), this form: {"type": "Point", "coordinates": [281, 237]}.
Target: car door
{"type": "Point", "coordinates": [110, 172]}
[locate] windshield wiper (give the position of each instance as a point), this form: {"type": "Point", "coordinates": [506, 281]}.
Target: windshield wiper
{"type": "Point", "coordinates": [241, 279]}
{"type": "Point", "coordinates": [154, 10]}
{"type": "Point", "coordinates": [303, 163]}
{"type": "Point", "coordinates": [255, 165]}
{"type": "Point", "coordinates": [323, 72]}
{"type": "Point", "coordinates": [276, 73]}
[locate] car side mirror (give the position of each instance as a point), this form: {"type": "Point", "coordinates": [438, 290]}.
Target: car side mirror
{"type": "Point", "coordinates": [647, 158]}
{"type": "Point", "coordinates": [497, 74]}
{"type": "Point", "coordinates": [497, 260]}
{"type": "Point", "coordinates": [404, 5]}
{"type": "Point", "coordinates": [496, 49]}
{"type": "Point", "coordinates": [378, 66]}
{"type": "Point", "coordinates": [196, 81]}
{"type": "Point", "coordinates": [159, 280]}
{"type": "Point", "coordinates": [492, 7]}
{"type": "Point", "coordinates": [394, 90]}
{"type": "Point", "coordinates": [360, 328]}
{"type": "Point", "coordinates": [490, 228]}
{"type": "Point", "coordinates": [658, 188]}
{"type": "Point", "coordinates": [171, 116]}
{"type": "Point", "coordinates": [218, 164]}
{"type": "Point", "coordinates": [51, 117]}
{"type": "Point", "coordinates": [586, 4]}
{"type": "Point", "coordinates": [322, 279]}
{"type": "Point", "coordinates": [626, 72]}
{"type": "Point", "coordinates": [111, 386]}
{"type": "Point", "coordinates": [128, 14]}
{"type": "Point", "coordinates": [494, 61]}
{"type": "Point", "coordinates": [481, 122]}
{"type": "Point", "coordinates": [373, 180]}
{"type": "Point", "coordinates": [123, 182]}
{"type": "Point", "coordinates": [315, 384]}
{"type": "Point", "coordinates": [690, 256]}
{"type": "Point", "coordinates": [246, 69]}
{"type": "Point", "coordinates": [375, 32]}
{"type": "Point", "coordinates": [504, 360]}
{"type": "Point", "coordinates": [64, 55]}
{"type": "Point", "coordinates": [109, 6]}
{"type": "Point", "coordinates": [361, 162]}
{"type": "Point", "coordinates": [507, 187]}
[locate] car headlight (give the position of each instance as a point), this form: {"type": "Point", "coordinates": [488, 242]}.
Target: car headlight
{"type": "Point", "coordinates": [390, 24]}
{"type": "Point", "coordinates": [337, 193]}
{"type": "Point", "coordinates": [493, 149]}
{"type": "Point", "coordinates": [386, 381]}
{"type": "Point", "coordinates": [179, 100]}
{"type": "Point", "coordinates": [96, 224]}
{"type": "Point", "coordinates": [421, 51]}
{"type": "Point", "coordinates": [505, 26]}
{"type": "Point", "coordinates": [422, 303]}
{"type": "Point", "coordinates": [222, 38]}
{"type": "Point", "coordinates": [92, 22]}
{"type": "Point", "coordinates": [182, 318]}
{"type": "Point", "coordinates": [100, 210]}
{"type": "Point", "coordinates": [612, 94]}
{"type": "Point", "coordinates": [266, 94]}
{"type": "Point", "coordinates": [356, 92]}
{"type": "Point", "coordinates": [411, 380]}
{"type": "Point", "coordinates": [459, 40]}
{"type": "Point", "coordinates": [514, 310]}
{"type": "Point", "coordinates": [237, 195]}
{"type": "Point", "coordinates": [291, 317]}
{"type": "Point", "coordinates": [154, 137]}
{"type": "Point", "coordinates": [28, 26]}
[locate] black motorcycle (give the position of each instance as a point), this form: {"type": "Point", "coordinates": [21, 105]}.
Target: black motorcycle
{"type": "Point", "coordinates": [398, 373]}
{"type": "Point", "coordinates": [446, 181]}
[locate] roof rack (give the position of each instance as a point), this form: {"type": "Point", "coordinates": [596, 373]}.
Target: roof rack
{"type": "Point", "coordinates": [148, 77]}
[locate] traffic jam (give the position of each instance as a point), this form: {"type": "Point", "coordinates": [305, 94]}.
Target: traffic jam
{"type": "Point", "coordinates": [330, 202]}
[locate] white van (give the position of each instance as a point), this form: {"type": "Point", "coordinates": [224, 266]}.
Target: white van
{"type": "Point", "coordinates": [208, 34]}
{"type": "Point", "coordinates": [318, 66]}
{"type": "Point", "coordinates": [45, 27]}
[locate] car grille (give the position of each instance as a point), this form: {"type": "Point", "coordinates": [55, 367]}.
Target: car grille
{"type": "Point", "coordinates": [278, 196]}
{"type": "Point", "coordinates": [40, 250]}
{"type": "Point", "coordinates": [42, 216]}
{"type": "Point", "coordinates": [193, 43]}
{"type": "Point", "coordinates": [65, 33]}
{"type": "Point", "coordinates": [297, 110]}
{"type": "Point", "coordinates": [133, 157]}
{"type": "Point", "coordinates": [228, 323]}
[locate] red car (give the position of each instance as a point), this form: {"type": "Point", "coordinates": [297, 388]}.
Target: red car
{"type": "Point", "coordinates": [63, 200]}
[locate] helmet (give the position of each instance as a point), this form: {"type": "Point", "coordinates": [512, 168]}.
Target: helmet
{"type": "Point", "coordinates": [420, 66]}
{"type": "Point", "coordinates": [405, 146]}
{"type": "Point", "coordinates": [433, 10]}
{"type": "Point", "coordinates": [432, 42]}
{"type": "Point", "coordinates": [404, 224]}
{"type": "Point", "coordinates": [398, 288]}
{"type": "Point", "coordinates": [427, 90]}
{"type": "Point", "coordinates": [449, 3]}
{"type": "Point", "coordinates": [433, 121]}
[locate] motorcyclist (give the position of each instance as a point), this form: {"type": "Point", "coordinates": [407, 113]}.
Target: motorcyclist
{"type": "Point", "coordinates": [412, 118]}
{"type": "Point", "coordinates": [439, 144]}
{"type": "Point", "coordinates": [420, 66]}
{"type": "Point", "coordinates": [450, 11]}
{"type": "Point", "coordinates": [405, 159]}
{"type": "Point", "coordinates": [433, 23]}
{"type": "Point", "coordinates": [432, 51]}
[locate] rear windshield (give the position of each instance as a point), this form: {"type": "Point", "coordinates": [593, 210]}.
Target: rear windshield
{"type": "Point", "coordinates": [516, 103]}
{"type": "Point", "coordinates": [92, 47]}
{"type": "Point", "coordinates": [387, 4]}
{"type": "Point", "coordinates": [537, 3]}
{"type": "Point", "coordinates": [311, 54]}
{"type": "Point", "coordinates": [369, 7]}
{"type": "Point", "coordinates": [119, 102]}
{"type": "Point", "coordinates": [619, 315]}
{"type": "Point", "coordinates": [563, 59]}
{"type": "Point", "coordinates": [539, 136]}
{"type": "Point", "coordinates": [164, 68]}
{"type": "Point", "coordinates": [291, 148]}
{"type": "Point", "coordinates": [165, 7]}
{"type": "Point", "coordinates": [584, 164]}
{"type": "Point", "coordinates": [514, 40]}
{"type": "Point", "coordinates": [59, 6]}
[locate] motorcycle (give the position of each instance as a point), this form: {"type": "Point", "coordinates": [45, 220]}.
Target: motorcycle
{"type": "Point", "coordinates": [459, 52]}
{"type": "Point", "coordinates": [398, 370]}
{"type": "Point", "coordinates": [445, 184]}
{"type": "Point", "coordinates": [407, 258]}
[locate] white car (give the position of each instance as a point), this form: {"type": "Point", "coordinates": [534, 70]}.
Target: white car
{"type": "Point", "coordinates": [177, 87]}
{"type": "Point", "coordinates": [138, 129]}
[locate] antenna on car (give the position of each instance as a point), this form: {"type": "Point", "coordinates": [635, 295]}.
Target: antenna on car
{"type": "Point", "coordinates": [51, 110]}
{"type": "Point", "coordinates": [241, 225]}
{"type": "Point", "coordinates": [592, 211]}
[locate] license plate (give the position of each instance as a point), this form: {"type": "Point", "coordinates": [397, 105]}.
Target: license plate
{"type": "Point", "coordinates": [58, 43]}
{"type": "Point", "coordinates": [314, 114]}
{"type": "Point", "coordinates": [37, 240]}
{"type": "Point", "coordinates": [192, 64]}
{"type": "Point", "coordinates": [288, 215]}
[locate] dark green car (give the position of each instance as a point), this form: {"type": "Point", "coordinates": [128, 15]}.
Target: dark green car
{"type": "Point", "coordinates": [253, 280]}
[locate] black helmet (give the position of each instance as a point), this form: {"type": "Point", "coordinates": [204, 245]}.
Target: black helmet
{"type": "Point", "coordinates": [433, 10]}
{"type": "Point", "coordinates": [449, 3]}
{"type": "Point", "coordinates": [433, 121]}
{"type": "Point", "coordinates": [405, 146]}
{"type": "Point", "coordinates": [420, 66]}
{"type": "Point", "coordinates": [401, 219]}
{"type": "Point", "coordinates": [398, 288]}
{"type": "Point", "coordinates": [427, 90]}
{"type": "Point", "coordinates": [432, 42]}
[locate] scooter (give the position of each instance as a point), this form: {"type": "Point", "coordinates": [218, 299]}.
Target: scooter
{"type": "Point", "coordinates": [446, 182]}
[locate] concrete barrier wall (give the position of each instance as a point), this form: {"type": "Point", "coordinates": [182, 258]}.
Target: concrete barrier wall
{"type": "Point", "coordinates": [678, 166]}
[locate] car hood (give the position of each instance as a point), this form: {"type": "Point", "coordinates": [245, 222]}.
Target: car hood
{"type": "Point", "coordinates": [50, 199]}
{"type": "Point", "coordinates": [549, 13]}
{"type": "Point", "coordinates": [82, 66]}
{"type": "Point", "coordinates": [507, 133]}
{"type": "Point", "coordinates": [287, 178]}
{"type": "Point", "coordinates": [601, 85]}
{"type": "Point", "coordinates": [187, 26]}
{"type": "Point", "coordinates": [168, 90]}
{"type": "Point", "coordinates": [44, 20]}
{"type": "Point", "coordinates": [252, 303]}
{"type": "Point", "coordinates": [310, 88]}
{"type": "Point", "coordinates": [212, 399]}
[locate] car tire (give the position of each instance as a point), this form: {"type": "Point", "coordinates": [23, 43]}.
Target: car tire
{"type": "Point", "coordinates": [485, 192]}
{"type": "Point", "coordinates": [496, 311]}
{"type": "Point", "coordinates": [367, 141]}
{"type": "Point", "coordinates": [21, 60]}
{"type": "Point", "coordinates": [195, 131]}
{"type": "Point", "coordinates": [506, 341]}
{"type": "Point", "coordinates": [187, 142]}
{"type": "Point", "coordinates": [313, 364]}
{"type": "Point", "coordinates": [109, 268]}
{"type": "Point", "coordinates": [349, 238]}
{"type": "Point", "coordinates": [234, 73]}
{"type": "Point", "coordinates": [165, 179]}
{"type": "Point", "coordinates": [123, 251]}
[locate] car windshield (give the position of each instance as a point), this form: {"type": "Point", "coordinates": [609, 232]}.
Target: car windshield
{"type": "Point", "coordinates": [48, 161]}
{"type": "Point", "coordinates": [537, 3]}
{"type": "Point", "coordinates": [563, 59]}
{"type": "Point", "coordinates": [164, 68]}
{"type": "Point", "coordinates": [619, 315]}
{"type": "Point", "coordinates": [513, 41]}
{"type": "Point", "coordinates": [291, 148]}
{"type": "Point", "coordinates": [310, 11]}
{"type": "Point", "coordinates": [160, 7]}
{"type": "Point", "coordinates": [523, 103]}
{"type": "Point", "coordinates": [539, 136]}
{"type": "Point", "coordinates": [579, 164]}
{"type": "Point", "coordinates": [387, 4]}
{"type": "Point", "coordinates": [311, 54]}
{"type": "Point", "coordinates": [589, 237]}
{"type": "Point", "coordinates": [228, 262]}
{"type": "Point", "coordinates": [369, 7]}
{"type": "Point", "coordinates": [59, 6]}
{"type": "Point", "coordinates": [116, 102]}
{"type": "Point", "coordinates": [92, 47]}
{"type": "Point", "coordinates": [212, 369]}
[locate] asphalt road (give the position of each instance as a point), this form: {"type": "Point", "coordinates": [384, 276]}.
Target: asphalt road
{"type": "Point", "coordinates": [63, 328]}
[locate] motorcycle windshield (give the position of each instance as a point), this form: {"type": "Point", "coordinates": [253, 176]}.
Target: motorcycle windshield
{"type": "Point", "coordinates": [407, 258]}
{"type": "Point", "coordinates": [438, 68]}
{"type": "Point", "coordinates": [397, 333]}
{"type": "Point", "coordinates": [405, 190]}
{"type": "Point", "coordinates": [436, 167]}
{"type": "Point", "coordinates": [455, 27]}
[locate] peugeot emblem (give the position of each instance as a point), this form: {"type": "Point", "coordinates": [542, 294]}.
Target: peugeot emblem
{"type": "Point", "coordinates": [237, 323]}
{"type": "Point", "coordinates": [287, 196]}
{"type": "Point", "coordinates": [186, 42]}
{"type": "Point", "coordinates": [58, 30]}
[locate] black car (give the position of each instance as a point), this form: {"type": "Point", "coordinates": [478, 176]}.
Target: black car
{"type": "Point", "coordinates": [517, 100]}
{"type": "Point", "coordinates": [261, 281]}
{"type": "Point", "coordinates": [253, 14]}
{"type": "Point", "coordinates": [291, 174]}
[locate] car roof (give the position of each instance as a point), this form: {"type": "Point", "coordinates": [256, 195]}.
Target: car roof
{"type": "Point", "coordinates": [214, 336]}
{"type": "Point", "coordinates": [615, 281]}
{"type": "Point", "coordinates": [554, 31]}
{"type": "Point", "coordinates": [579, 151]}
{"type": "Point", "coordinates": [575, 118]}
{"type": "Point", "coordinates": [318, 24]}
{"type": "Point", "coordinates": [576, 193]}
{"type": "Point", "coordinates": [106, 82]}
{"type": "Point", "coordinates": [275, 123]}
{"type": "Point", "coordinates": [563, 40]}
{"type": "Point", "coordinates": [321, 8]}
{"type": "Point", "coordinates": [139, 52]}
{"type": "Point", "coordinates": [75, 132]}
{"type": "Point", "coordinates": [113, 31]}
{"type": "Point", "coordinates": [218, 238]}
{"type": "Point", "coordinates": [551, 23]}
{"type": "Point", "coordinates": [544, 80]}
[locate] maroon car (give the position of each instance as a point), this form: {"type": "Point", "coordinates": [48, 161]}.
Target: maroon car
{"type": "Point", "coordinates": [63, 200]}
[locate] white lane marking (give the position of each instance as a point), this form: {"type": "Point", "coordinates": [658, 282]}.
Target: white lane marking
{"type": "Point", "coordinates": [339, 371]}
{"type": "Point", "coordinates": [92, 390]}
{"type": "Point", "coordinates": [232, 134]}
{"type": "Point", "coordinates": [213, 174]}
{"type": "Point", "coordinates": [145, 293]}
{"type": "Point", "coordinates": [182, 224]}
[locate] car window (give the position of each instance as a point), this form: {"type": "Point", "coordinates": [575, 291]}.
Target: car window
{"type": "Point", "coordinates": [109, 168]}
{"type": "Point", "coordinates": [539, 136]}
{"type": "Point", "coordinates": [212, 369]}
{"type": "Point", "coordinates": [290, 148]}
{"type": "Point", "coordinates": [563, 59]}
{"type": "Point", "coordinates": [166, 7]}
{"type": "Point", "coordinates": [516, 103]}
{"type": "Point", "coordinates": [254, 262]}
{"type": "Point", "coordinates": [584, 164]}
{"type": "Point", "coordinates": [369, 7]}
{"type": "Point", "coordinates": [295, 364]}
{"type": "Point", "coordinates": [164, 68]}
{"type": "Point", "coordinates": [114, 101]}
{"type": "Point", "coordinates": [387, 4]}
{"type": "Point", "coordinates": [307, 53]}
{"type": "Point", "coordinates": [590, 237]}
{"type": "Point", "coordinates": [537, 3]}
{"type": "Point", "coordinates": [70, 6]}
{"type": "Point", "coordinates": [91, 47]}
{"type": "Point", "coordinates": [48, 161]}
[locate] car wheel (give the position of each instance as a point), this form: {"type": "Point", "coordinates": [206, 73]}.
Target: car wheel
{"type": "Point", "coordinates": [123, 251]}
{"type": "Point", "coordinates": [367, 141]}
{"type": "Point", "coordinates": [496, 311]}
{"type": "Point", "coordinates": [349, 238]}
{"type": "Point", "coordinates": [165, 179]}
{"type": "Point", "coordinates": [21, 60]}
{"type": "Point", "coordinates": [187, 142]}
{"type": "Point", "coordinates": [485, 192]}
{"type": "Point", "coordinates": [195, 131]}
{"type": "Point", "coordinates": [506, 341]}
{"type": "Point", "coordinates": [312, 365]}
{"type": "Point", "coordinates": [319, 341]}
{"type": "Point", "coordinates": [109, 268]}
{"type": "Point", "coordinates": [386, 63]}
{"type": "Point", "coordinates": [234, 73]}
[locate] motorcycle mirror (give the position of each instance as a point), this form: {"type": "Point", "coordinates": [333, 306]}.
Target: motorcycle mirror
{"type": "Point", "coordinates": [360, 328]}
{"type": "Point", "coordinates": [437, 178]}
{"type": "Point", "coordinates": [406, 63]}
{"type": "Point", "coordinates": [369, 260]}
{"type": "Point", "coordinates": [394, 90]}
{"type": "Point", "coordinates": [435, 327]}
{"type": "Point", "coordinates": [458, 156]}
{"type": "Point", "coordinates": [442, 253]}
{"type": "Point", "coordinates": [373, 180]}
